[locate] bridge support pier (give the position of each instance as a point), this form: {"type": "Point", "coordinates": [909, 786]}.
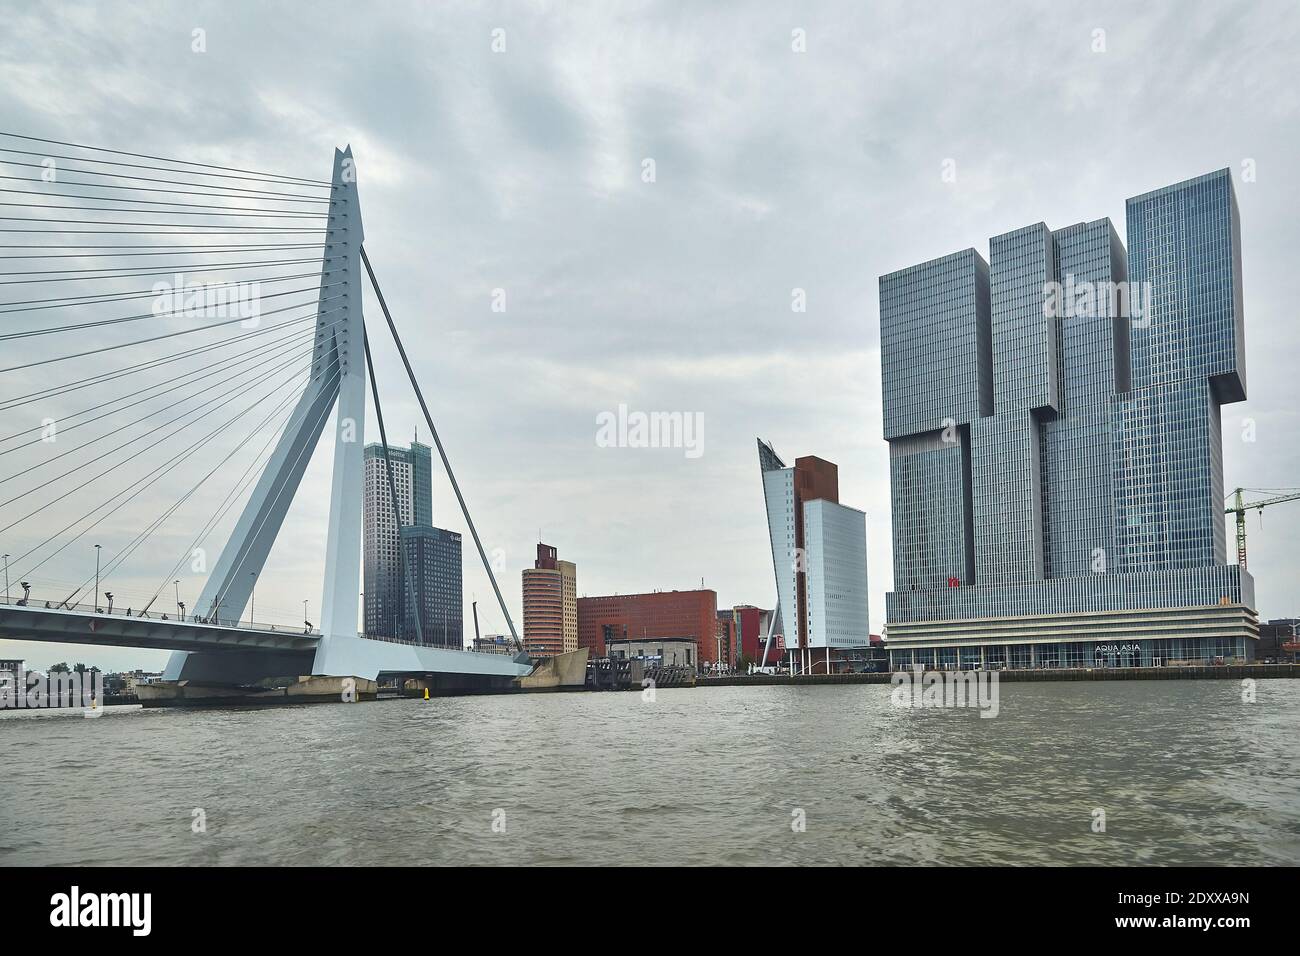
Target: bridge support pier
{"type": "Point", "coordinates": [238, 667]}
{"type": "Point", "coordinates": [304, 690]}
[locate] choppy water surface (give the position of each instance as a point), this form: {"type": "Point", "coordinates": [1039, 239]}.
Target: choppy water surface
{"type": "Point", "coordinates": [1186, 772]}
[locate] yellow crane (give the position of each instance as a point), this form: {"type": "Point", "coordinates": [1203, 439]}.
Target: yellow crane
{"type": "Point", "coordinates": [1240, 506]}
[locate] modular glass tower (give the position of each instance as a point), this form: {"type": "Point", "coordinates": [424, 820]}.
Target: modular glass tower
{"type": "Point", "coordinates": [1054, 428]}
{"type": "Point", "coordinates": [433, 555]}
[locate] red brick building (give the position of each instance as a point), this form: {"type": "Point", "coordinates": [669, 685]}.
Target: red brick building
{"type": "Point", "coordinates": [751, 631]}
{"type": "Point", "coordinates": [657, 614]}
{"type": "Point", "coordinates": [726, 640]}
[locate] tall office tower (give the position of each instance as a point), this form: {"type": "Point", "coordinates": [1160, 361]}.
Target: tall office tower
{"type": "Point", "coordinates": [550, 605]}
{"type": "Point", "coordinates": [819, 553]}
{"type": "Point", "coordinates": [389, 610]}
{"type": "Point", "coordinates": [434, 555]}
{"type": "Point", "coordinates": [1053, 419]}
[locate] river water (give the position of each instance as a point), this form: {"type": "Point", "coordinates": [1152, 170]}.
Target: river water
{"type": "Point", "coordinates": [1185, 772]}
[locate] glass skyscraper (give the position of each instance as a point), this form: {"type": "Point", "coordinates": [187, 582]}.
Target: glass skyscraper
{"type": "Point", "coordinates": [433, 555]}
{"type": "Point", "coordinates": [1054, 426]}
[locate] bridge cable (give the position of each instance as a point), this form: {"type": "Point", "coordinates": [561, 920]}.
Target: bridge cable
{"type": "Point", "coordinates": [242, 192]}
{"type": "Point", "coordinates": [294, 213]}
{"type": "Point", "coordinates": [365, 259]}
{"type": "Point", "coordinates": [102, 377]}
{"type": "Point", "coordinates": [250, 539]}
{"type": "Point", "coordinates": [185, 379]}
{"type": "Point", "coordinates": [170, 335]}
{"type": "Point", "coordinates": [156, 202]}
{"type": "Point", "coordinates": [170, 467]}
{"type": "Point", "coordinates": [71, 302]}
{"type": "Point", "coordinates": [127, 550]}
{"type": "Point", "coordinates": [77, 301]}
{"type": "Point", "coordinates": [164, 159]}
{"type": "Point", "coordinates": [397, 510]}
{"type": "Point", "coordinates": [293, 355]}
{"type": "Point", "coordinates": [161, 443]}
{"type": "Point", "coordinates": [229, 228]}
{"type": "Point", "coordinates": [132, 272]}
{"type": "Point", "coordinates": [201, 249]}
{"type": "Point", "coordinates": [233, 495]}
{"type": "Point", "coordinates": [257, 214]}
{"type": "Point", "coordinates": [245, 231]}
{"type": "Point", "coordinates": [116, 561]}
{"type": "Point", "coordinates": [154, 475]}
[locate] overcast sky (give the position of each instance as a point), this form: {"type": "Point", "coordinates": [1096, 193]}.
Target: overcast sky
{"type": "Point", "coordinates": [774, 170]}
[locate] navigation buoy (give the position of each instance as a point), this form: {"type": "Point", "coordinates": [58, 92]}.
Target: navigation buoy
{"type": "Point", "coordinates": [426, 693]}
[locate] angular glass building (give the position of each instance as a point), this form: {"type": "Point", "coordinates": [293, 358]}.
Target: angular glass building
{"type": "Point", "coordinates": [819, 555]}
{"type": "Point", "coordinates": [1055, 439]}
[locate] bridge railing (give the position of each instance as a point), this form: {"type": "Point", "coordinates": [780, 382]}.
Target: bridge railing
{"type": "Point", "coordinates": [444, 647]}
{"type": "Point", "coordinates": [41, 602]}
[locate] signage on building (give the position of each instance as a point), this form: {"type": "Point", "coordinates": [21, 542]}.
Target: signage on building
{"type": "Point", "coordinates": [1117, 649]}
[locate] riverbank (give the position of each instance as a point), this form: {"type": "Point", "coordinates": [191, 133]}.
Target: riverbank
{"type": "Point", "coordinates": [1222, 672]}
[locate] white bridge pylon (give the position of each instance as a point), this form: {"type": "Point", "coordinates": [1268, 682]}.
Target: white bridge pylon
{"type": "Point", "coordinates": [338, 375]}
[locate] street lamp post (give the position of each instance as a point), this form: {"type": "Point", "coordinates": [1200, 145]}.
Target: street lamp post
{"type": "Point", "coordinates": [180, 608]}
{"type": "Point", "coordinates": [96, 579]}
{"type": "Point", "coordinates": [6, 579]}
{"type": "Point", "coordinates": [252, 598]}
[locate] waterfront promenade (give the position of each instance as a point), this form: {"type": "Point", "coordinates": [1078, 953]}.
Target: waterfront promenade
{"type": "Point", "coordinates": [1222, 672]}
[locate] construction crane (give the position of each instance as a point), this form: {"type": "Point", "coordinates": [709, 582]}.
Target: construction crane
{"type": "Point", "coordinates": [1241, 506]}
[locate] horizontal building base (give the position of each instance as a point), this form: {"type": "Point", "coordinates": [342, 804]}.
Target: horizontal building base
{"type": "Point", "coordinates": [1225, 633]}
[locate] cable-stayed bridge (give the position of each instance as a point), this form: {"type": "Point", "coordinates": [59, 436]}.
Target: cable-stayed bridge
{"type": "Point", "coordinates": [176, 338]}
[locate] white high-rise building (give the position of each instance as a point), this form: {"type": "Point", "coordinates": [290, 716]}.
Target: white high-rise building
{"type": "Point", "coordinates": [819, 556]}
{"type": "Point", "coordinates": [835, 549]}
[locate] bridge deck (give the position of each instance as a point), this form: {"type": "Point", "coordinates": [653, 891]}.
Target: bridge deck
{"type": "Point", "coordinates": [354, 655]}
{"type": "Point", "coordinates": [86, 627]}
